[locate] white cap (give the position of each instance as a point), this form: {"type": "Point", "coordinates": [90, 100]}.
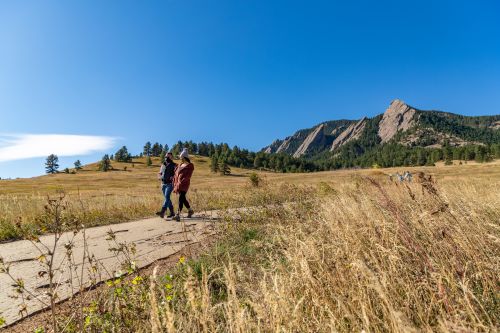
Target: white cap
{"type": "Point", "coordinates": [184, 153]}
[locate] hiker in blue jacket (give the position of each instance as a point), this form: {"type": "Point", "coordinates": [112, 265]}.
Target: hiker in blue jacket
{"type": "Point", "coordinates": [166, 175]}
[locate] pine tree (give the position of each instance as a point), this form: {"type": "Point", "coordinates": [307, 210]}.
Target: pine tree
{"type": "Point", "coordinates": [148, 161]}
{"type": "Point", "coordinates": [176, 149]}
{"type": "Point", "coordinates": [214, 163]}
{"type": "Point", "coordinates": [279, 165]}
{"type": "Point", "coordinates": [52, 164]}
{"type": "Point", "coordinates": [203, 149]}
{"type": "Point", "coordinates": [495, 150]}
{"type": "Point", "coordinates": [122, 155]}
{"type": "Point", "coordinates": [257, 162]}
{"type": "Point", "coordinates": [192, 147]}
{"type": "Point", "coordinates": [156, 150]}
{"type": "Point", "coordinates": [105, 164]}
{"type": "Point", "coordinates": [481, 154]}
{"type": "Point", "coordinates": [470, 153]}
{"type": "Point", "coordinates": [224, 168]}
{"type": "Point", "coordinates": [421, 157]}
{"type": "Point", "coordinates": [147, 149]}
{"type": "Point", "coordinates": [447, 153]}
{"type": "Point", "coordinates": [78, 165]}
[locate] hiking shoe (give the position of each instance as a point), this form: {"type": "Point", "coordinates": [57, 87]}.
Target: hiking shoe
{"type": "Point", "coordinates": [171, 215]}
{"type": "Point", "coordinates": [161, 213]}
{"type": "Point", "coordinates": [177, 218]}
{"type": "Point", "coordinates": [190, 213]}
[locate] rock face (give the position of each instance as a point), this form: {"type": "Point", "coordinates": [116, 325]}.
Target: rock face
{"type": "Point", "coordinates": [314, 137]}
{"type": "Point", "coordinates": [279, 146]}
{"type": "Point", "coordinates": [401, 123]}
{"type": "Point", "coordinates": [284, 145]}
{"type": "Point", "coordinates": [273, 146]}
{"type": "Point", "coordinates": [310, 140]}
{"type": "Point", "coordinates": [350, 133]}
{"type": "Point", "coordinates": [398, 117]}
{"type": "Point", "coordinates": [337, 130]}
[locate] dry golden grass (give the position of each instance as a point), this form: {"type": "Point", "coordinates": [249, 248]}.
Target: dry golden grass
{"type": "Point", "coordinates": [369, 256]}
{"type": "Point", "coordinates": [335, 251]}
{"type": "Point", "coordinates": [98, 198]}
{"type": "Point", "coordinates": [364, 255]}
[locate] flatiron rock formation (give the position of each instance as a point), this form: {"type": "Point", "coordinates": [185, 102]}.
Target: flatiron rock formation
{"type": "Point", "coordinates": [400, 124]}
{"type": "Point", "coordinates": [352, 132]}
{"type": "Point", "coordinates": [314, 137]}
{"type": "Point", "coordinates": [398, 117]}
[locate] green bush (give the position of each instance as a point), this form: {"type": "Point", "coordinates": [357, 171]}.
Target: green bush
{"type": "Point", "coordinates": [255, 179]}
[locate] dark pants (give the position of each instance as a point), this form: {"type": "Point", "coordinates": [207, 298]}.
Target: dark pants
{"type": "Point", "coordinates": [183, 201]}
{"type": "Point", "coordinates": [167, 190]}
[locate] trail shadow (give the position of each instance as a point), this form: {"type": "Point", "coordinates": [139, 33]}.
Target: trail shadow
{"type": "Point", "coordinates": [200, 218]}
{"type": "Point", "coordinates": [236, 175]}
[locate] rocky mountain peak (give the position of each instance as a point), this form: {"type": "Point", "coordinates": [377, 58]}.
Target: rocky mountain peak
{"type": "Point", "coordinates": [398, 117]}
{"type": "Point", "coordinates": [397, 102]}
{"type": "Point", "coordinates": [400, 123]}
{"type": "Point", "coordinates": [351, 133]}
{"type": "Point", "coordinates": [312, 138]}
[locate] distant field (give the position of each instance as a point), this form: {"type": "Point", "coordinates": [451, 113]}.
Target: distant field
{"type": "Point", "coordinates": [138, 178]}
{"type": "Point", "coordinates": [131, 190]}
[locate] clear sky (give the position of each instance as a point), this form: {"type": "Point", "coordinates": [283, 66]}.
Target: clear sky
{"type": "Point", "coordinates": [244, 72]}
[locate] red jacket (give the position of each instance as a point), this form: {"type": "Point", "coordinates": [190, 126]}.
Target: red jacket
{"type": "Point", "coordinates": [182, 177]}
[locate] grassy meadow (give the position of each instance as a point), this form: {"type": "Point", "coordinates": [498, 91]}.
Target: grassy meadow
{"type": "Point", "coordinates": [128, 192]}
{"type": "Point", "coordinates": [131, 190]}
{"type": "Point", "coordinates": [365, 256]}
{"type": "Point", "coordinates": [342, 251]}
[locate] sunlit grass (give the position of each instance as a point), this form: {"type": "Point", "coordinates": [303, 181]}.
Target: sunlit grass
{"type": "Point", "coordinates": [131, 191]}
{"type": "Point", "coordinates": [333, 251]}
{"type": "Point", "coordinates": [364, 255]}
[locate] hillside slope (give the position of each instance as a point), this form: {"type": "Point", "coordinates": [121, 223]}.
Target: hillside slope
{"type": "Point", "coordinates": [399, 124]}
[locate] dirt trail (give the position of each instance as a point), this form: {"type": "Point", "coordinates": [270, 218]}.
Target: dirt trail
{"type": "Point", "coordinates": [154, 239]}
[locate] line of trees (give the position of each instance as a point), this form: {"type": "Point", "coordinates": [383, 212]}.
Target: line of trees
{"type": "Point", "coordinates": [223, 157]}
{"type": "Point", "coordinates": [154, 150]}
{"type": "Point", "coordinates": [364, 152]}
{"type": "Point", "coordinates": [471, 129]}
{"type": "Point", "coordinates": [395, 155]}
{"type": "Point", "coordinates": [52, 165]}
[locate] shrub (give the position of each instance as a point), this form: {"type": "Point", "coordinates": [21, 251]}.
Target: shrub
{"type": "Point", "coordinates": [255, 179]}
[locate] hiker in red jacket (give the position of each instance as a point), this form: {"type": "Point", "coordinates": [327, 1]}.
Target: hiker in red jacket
{"type": "Point", "coordinates": [182, 180]}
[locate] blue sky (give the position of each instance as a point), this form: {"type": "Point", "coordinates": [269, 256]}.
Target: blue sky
{"type": "Point", "coordinates": [244, 72]}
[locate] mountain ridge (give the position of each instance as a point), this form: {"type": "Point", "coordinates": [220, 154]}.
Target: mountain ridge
{"type": "Point", "coordinates": [401, 124]}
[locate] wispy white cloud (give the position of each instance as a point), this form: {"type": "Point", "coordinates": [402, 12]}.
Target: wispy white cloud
{"type": "Point", "coordinates": [23, 146]}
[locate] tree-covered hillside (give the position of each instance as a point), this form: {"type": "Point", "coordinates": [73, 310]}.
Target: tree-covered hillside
{"type": "Point", "coordinates": [403, 135]}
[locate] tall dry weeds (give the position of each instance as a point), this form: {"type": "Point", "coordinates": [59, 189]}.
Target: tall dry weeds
{"type": "Point", "coordinates": [369, 256]}
{"type": "Point", "coordinates": [364, 255]}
